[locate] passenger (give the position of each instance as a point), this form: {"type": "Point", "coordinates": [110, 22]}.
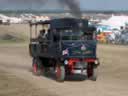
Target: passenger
{"type": "Point", "coordinates": [41, 36]}
{"type": "Point", "coordinates": [42, 33]}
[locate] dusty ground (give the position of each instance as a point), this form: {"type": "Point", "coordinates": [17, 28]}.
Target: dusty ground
{"type": "Point", "coordinates": [112, 80]}
{"type": "Point", "coordinates": [10, 85]}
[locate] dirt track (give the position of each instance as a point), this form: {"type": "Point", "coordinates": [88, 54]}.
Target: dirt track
{"type": "Point", "coordinates": [112, 80]}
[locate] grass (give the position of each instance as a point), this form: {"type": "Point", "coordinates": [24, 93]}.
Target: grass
{"type": "Point", "coordinates": [13, 41]}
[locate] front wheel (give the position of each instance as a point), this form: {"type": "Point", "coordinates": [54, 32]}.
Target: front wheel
{"type": "Point", "coordinates": [60, 73]}
{"type": "Point", "coordinates": [37, 67]}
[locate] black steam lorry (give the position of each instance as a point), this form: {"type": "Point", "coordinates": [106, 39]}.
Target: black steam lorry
{"type": "Point", "coordinates": [65, 45]}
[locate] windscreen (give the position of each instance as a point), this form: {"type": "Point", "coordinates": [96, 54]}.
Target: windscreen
{"type": "Point", "coordinates": [68, 23]}
{"type": "Point", "coordinates": [71, 34]}
{"type": "Point", "coordinates": [71, 29]}
{"type": "Point", "coordinates": [75, 34]}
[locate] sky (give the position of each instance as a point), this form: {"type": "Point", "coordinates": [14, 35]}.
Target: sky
{"type": "Point", "coordinates": [52, 4]}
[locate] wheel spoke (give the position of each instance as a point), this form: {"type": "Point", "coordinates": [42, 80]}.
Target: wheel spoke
{"type": "Point", "coordinates": [35, 68]}
{"type": "Point", "coordinates": [60, 73]}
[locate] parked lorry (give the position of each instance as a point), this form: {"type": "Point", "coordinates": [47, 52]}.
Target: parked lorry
{"type": "Point", "coordinates": [65, 45]}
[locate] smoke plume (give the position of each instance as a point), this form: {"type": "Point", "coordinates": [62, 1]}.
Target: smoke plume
{"type": "Point", "coordinates": [73, 5]}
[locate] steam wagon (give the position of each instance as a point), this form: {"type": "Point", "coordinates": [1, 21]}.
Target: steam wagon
{"type": "Point", "coordinates": [66, 45]}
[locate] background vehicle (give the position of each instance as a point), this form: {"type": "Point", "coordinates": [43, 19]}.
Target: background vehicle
{"type": "Point", "coordinates": [67, 45]}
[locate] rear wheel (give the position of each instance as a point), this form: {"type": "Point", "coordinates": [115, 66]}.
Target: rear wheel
{"type": "Point", "coordinates": [37, 67]}
{"type": "Point", "coordinates": [60, 73]}
{"type": "Point", "coordinates": [94, 76]}
{"type": "Point", "coordinates": [92, 72]}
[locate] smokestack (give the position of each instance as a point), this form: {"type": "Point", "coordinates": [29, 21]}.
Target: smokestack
{"type": "Point", "coordinates": [74, 7]}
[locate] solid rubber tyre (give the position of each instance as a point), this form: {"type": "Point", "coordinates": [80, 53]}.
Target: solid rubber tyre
{"type": "Point", "coordinates": [37, 67]}
{"type": "Point", "coordinates": [92, 72]}
{"type": "Point", "coordinates": [60, 73]}
{"type": "Point", "coordinates": [94, 76]}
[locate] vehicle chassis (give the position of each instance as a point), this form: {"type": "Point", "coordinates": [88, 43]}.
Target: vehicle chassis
{"type": "Point", "coordinates": [43, 61]}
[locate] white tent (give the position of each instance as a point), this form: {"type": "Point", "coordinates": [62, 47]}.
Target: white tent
{"type": "Point", "coordinates": [41, 18]}
{"type": "Point", "coordinates": [115, 21]}
{"type": "Point", "coordinates": [15, 20]}
{"type": "Point", "coordinates": [10, 19]}
{"type": "Point", "coordinates": [4, 18]}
